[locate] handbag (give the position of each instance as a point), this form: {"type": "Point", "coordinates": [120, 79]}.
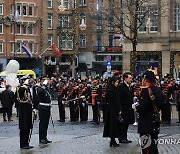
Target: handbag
{"type": "Point", "coordinates": [120, 119]}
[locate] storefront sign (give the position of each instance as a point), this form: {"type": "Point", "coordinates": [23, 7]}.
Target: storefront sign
{"type": "Point", "coordinates": [64, 63]}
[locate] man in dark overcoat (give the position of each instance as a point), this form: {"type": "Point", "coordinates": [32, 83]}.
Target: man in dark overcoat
{"type": "Point", "coordinates": [148, 108]}
{"type": "Point", "coordinates": [25, 116]}
{"type": "Point", "coordinates": [7, 101]}
{"type": "Point", "coordinates": [126, 101]}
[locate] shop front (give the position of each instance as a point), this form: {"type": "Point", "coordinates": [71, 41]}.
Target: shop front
{"type": "Point", "coordinates": [143, 60]}
{"type": "Point", "coordinates": [175, 64]}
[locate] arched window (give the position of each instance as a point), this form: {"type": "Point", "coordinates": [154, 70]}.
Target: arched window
{"type": "Point", "coordinates": [82, 16]}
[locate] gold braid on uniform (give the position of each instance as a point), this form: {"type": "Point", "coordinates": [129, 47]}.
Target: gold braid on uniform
{"type": "Point", "coordinates": [26, 97]}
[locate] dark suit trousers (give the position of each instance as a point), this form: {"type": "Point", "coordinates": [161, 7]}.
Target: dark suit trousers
{"type": "Point", "coordinates": [61, 110]}
{"type": "Point", "coordinates": [24, 137]}
{"type": "Point", "coordinates": [95, 112]}
{"type": "Point", "coordinates": [7, 111]}
{"type": "Point", "coordinates": [166, 112]}
{"type": "Point", "coordinates": [123, 131]}
{"type": "Point", "coordinates": [44, 116]}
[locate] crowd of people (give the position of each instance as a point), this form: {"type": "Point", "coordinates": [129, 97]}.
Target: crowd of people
{"type": "Point", "coordinates": [111, 99]}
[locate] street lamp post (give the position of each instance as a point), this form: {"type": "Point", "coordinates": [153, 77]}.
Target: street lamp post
{"type": "Point", "coordinates": [75, 30]}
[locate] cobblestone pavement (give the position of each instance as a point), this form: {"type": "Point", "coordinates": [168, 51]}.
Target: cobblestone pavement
{"type": "Point", "coordinates": [81, 138]}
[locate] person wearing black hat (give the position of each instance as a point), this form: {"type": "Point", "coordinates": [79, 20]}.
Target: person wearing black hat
{"type": "Point", "coordinates": [150, 100]}
{"type": "Point", "coordinates": [44, 110]}
{"type": "Point", "coordinates": [167, 89]}
{"type": "Point", "coordinates": [25, 116]}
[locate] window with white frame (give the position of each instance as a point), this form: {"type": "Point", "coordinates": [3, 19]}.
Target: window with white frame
{"type": "Point", "coordinates": [82, 16]}
{"type": "Point", "coordinates": [24, 11]}
{"type": "Point", "coordinates": [99, 5]}
{"type": "Point", "coordinates": [64, 21]}
{"type": "Point", "coordinates": [19, 44]}
{"type": "Point", "coordinates": [99, 23]}
{"type": "Point", "coordinates": [177, 16]}
{"type": "Point", "coordinates": [18, 29]}
{"type": "Point", "coordinates": [12, 28]}
{"type": "Point", "coordinates": [1, 28]}
{"type": "Point", "coordinates": [1, 9]}
{"type": "Point", "coordinates": [24, 28]}
{"type": "Point", "coordinates": [18, 8]}
{"type": "Point", "coordinates": [82, 40]}
{"type": "Point", "coordinates": [1, 47]}
{"type": "Point", "coordinates": [31, 46]}
{"type": "Point", "coordinates": [31, 30]}
{"type": "Point", "coordinates": [12, 9]}
{"type": "Point", "coordinates": [50, 40]}
{"type": "Point", "coordinates": [153, 14]}
{"type": "Point", "coordinates": [37, 9]}
{"type": "Point", "coordinates": [12, 47]}
{"type": "Point", "coordinates": [82, 3]}
{"type": "Point", "coordinates": [49, 21]}
{"type": "Point", "coordinates": [37, 48]}
{"type": "Point", "coordinates": [66, 4]}
{"type": "Point", "coordinates": [31, 10]}
{"type": "Point", "coordinates": [142, 19]}
{"type": "Point", "coordinates": [111, 22]}
{"type": "Point", "coordinates": [49, 3]}
{"type": "Point", "coordinates": [66, 42]}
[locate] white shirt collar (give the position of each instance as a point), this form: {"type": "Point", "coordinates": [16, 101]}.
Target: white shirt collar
{"type": "Point", "coordinates": [126, 84]}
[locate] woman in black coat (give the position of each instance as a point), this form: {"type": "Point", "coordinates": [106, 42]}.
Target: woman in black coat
{"type": "Point", "coordinates": [112, 126]}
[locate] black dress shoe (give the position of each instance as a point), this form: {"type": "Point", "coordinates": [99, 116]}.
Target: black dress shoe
{"type": "Point", "coordinates": [61, 120]}
{"type": "Point", "coordinates": [27, 147]}
{"type": "Point", "coordinates": [113, 144]}
{"type": "Point", "coordinates": [124, 141]}
{"type": "Point", "coordinates": [129, 141]}
{"type": "Point", "coordinates": [43, 142]}
{"type": "Point", "coordinates": [48, 141]}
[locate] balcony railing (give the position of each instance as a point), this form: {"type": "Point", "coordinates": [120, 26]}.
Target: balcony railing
{"type": "Point", "coordinates": [107, 49]}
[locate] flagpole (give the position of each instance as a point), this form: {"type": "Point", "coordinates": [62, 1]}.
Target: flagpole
{"type": "Point", "coordinates": [46, 49]}
{"type": "Point", "coordinates": [15, 51]}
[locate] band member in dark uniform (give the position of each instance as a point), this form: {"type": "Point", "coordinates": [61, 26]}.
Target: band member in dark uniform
{"type": "Point", "coordinates": [44, 111]}
{"type": "Point", "coordinates": [178, 101]}
{"type": "Point", "coordinates": [126, 99]}
{"type": "Point", "coordinates": [25, 116]}
{"type": "Point", "coordinates": [62, 95]}
{"type": "Point", "coordinates": [103, 102]}
{"type": "Point", "coordinates": [94, 95]}
{"type": "Point", "coordinates": [83, 103]}
{"type": "Point", "coordinates": [150, 100]}
{"type": "Point", "coordinates": [73, 95]}
{"type": "Point", "coordinates": [167, 89]}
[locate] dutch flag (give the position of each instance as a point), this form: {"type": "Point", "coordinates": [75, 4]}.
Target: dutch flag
{"type": "Point", "coordinates": [117, 36]}
{"type": "Point", "coordinates": [26, 49]}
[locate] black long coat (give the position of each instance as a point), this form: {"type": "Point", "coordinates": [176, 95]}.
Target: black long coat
{"type": "Point", "coordinates": [146, 110]}
{"type": "Point", "coordinates": [126, 101]}
{"type": "Point", "coordinates": [25, 110]}
{"type": "Point", "coordinates": [25, 116]}
{"type": "Point", "coordinates": [112, 126]}
{"type": "Point", "coordinates": [7, 99]}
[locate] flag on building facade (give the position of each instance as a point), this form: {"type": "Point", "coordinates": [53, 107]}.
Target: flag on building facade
{"type": "Point", "coordinates": [117, 36]}
{"type": "Point", "coordinates": [56, 50]}
{"type": "Point", "coordinates": [27, 50]}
